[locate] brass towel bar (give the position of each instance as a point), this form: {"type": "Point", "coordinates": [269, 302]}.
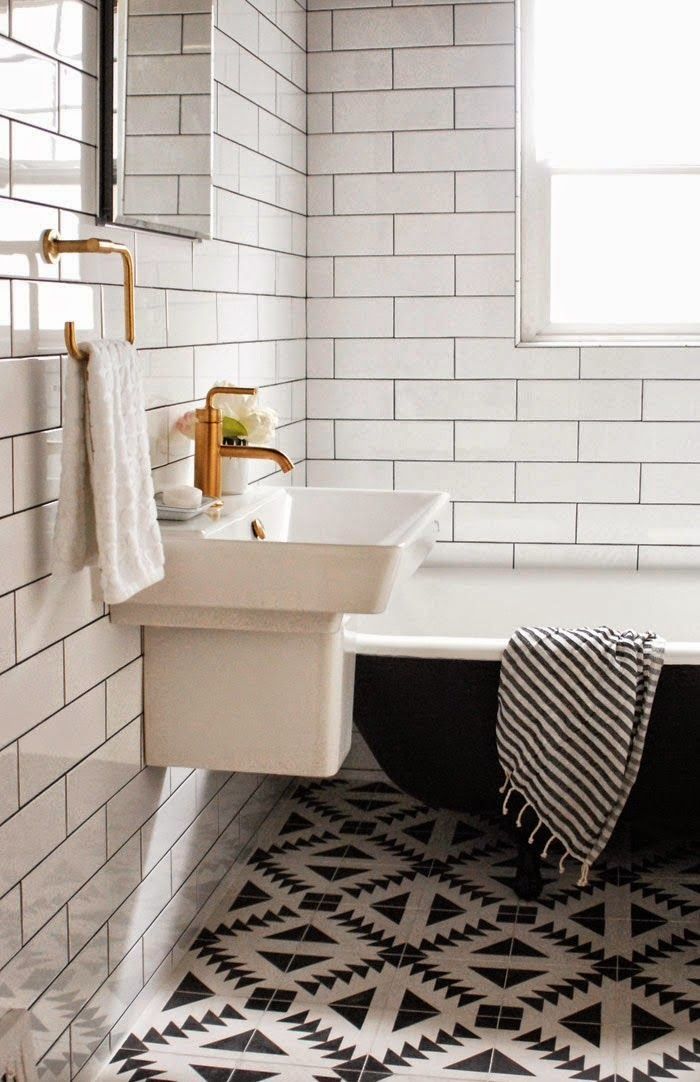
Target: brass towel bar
{"type": "Point", "coordinates": [53, 248]}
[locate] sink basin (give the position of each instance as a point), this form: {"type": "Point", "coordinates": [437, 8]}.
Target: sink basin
{"type": "Point", "coordinates": [245, 666]}
{"type": "Point", "coordinates": [326, 551]}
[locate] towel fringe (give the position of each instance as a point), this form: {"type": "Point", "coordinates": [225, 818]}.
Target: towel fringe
{"type": "Point", "coordinates": [519, 820]}
{"type": "Point", "coordinates": [531, 839]}
{"type": "Point", "coordinates": [585, 869]}
{"type": "Point", "coordinates": [562, 862]}
{"type": "Point", "coordinates": [506, 783]}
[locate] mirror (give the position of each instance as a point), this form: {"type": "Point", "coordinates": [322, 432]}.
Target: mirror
{"type": "Point", "coordinates": [156, 115]}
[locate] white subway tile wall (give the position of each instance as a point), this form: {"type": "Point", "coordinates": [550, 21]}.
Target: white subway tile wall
{"type": "Point", "coordinates": [105, 864]}
{"type": "Point", "coordinates": [551, 455]}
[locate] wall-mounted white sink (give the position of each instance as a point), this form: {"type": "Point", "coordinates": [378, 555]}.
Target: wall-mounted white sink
{"type": "Point", "coordinates": [326, 551]}
{"type": "Point", "coordinates": [244, 661]}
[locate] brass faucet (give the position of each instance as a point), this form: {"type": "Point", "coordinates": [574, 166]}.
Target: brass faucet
{"type": "Point", "coordinates": [209, 447]}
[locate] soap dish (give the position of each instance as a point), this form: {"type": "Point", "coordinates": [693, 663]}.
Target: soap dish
{"type": "Point", "coordinates": [181, 514]}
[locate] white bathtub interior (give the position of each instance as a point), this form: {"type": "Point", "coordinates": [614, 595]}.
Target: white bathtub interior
{"type": "Point", "coordinates": [469, 612]}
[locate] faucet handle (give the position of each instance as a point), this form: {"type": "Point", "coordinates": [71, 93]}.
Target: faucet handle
{"type": "Point", "coordinates": [227, 390]}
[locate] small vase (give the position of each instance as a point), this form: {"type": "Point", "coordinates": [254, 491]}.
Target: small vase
{"type": "Point", "coordinates": [234, 476]}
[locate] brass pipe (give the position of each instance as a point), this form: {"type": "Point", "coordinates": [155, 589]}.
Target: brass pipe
{"type": "Point", "coordinates": [53, 248]}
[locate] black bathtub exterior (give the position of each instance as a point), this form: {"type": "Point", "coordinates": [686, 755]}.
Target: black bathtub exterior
{"type": "Point", "coordinates": [431, 726]}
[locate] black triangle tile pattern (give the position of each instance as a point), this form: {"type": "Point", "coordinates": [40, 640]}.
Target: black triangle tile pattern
{"type": "Point", "coordinates": [367, 937]}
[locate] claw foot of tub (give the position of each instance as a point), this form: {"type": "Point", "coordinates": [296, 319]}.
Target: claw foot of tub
{"type": "Point", "coordinates": [528, 881]}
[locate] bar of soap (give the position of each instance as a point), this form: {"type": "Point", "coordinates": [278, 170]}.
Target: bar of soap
{"type": "Point", "coordinates": [186, 497]}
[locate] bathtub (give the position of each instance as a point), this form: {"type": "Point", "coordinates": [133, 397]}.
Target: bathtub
{"type": "Point", "coordinates": [427, 674]}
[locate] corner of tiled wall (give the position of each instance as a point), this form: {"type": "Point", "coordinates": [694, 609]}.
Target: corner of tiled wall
{"type": "Point", "coordinates": [105, 864]}
{"type": "Point", "coordinates": [552, 455]}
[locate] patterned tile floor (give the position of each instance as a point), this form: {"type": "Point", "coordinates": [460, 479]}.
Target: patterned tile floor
{"type": "Point", "coordinates": [367, 936]}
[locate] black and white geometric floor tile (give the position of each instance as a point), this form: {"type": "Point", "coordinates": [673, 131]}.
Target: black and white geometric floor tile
{"type": "Point", "coordinates": [369, 936]}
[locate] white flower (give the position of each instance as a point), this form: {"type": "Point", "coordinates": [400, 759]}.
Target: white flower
{"type": "Point", "coordinates": [258, 421]}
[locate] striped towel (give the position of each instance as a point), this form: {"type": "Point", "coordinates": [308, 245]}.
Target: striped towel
{"type": "Point", "coordinates": [573, 711]}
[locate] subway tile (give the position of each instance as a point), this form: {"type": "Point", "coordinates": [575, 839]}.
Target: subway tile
{"type": "Point", "coordinates": [9, 794]}
{"type": "Point", "coordinates": [392, 193]}
{"type": "Point", "coordinates": [97, 651]}
{"type": "Point", "coordinates": [51, 608]}
{"type": "Point", "coordinates": [319, 358]}
{"type": "Point", "coordinates": [7, 632]}
{"type": "Point", "coordinates": [124, 696]}
{"type": "Point", "coordinates": [319, 113]}
{"type": "Point", "coordinates": [134, 804]}
{"type": "Point", "coordinates": [668, 556]}
{"type": "Point", "coordinates": [459, 553]}
{"type": "Point", "coordinates": [26, 538]}
{"type": "Point", "coordinates": [10, 925]}
{"type": "Point", "coordinates": [319, 276]}
{"type": "Point", "coordinates": [92, 1024]}
{"type": "Point", "coordinates": [33, 969]}
{"type": "Point", "coordinates": [32, 834]}
{"type": "Point", "coordinates": [392, 110]}
{"type": "Point", "coordinates": [396, 358]}
{"type": "Point", "coordinates": [362, 474]}
{"type": "Point", "coordinates": [498, 358]}
{"type": "Point", "coordinates": [58, 743]}
{"type": "Point", "coordinates": [168, 375]}
{"type": "Point", "coordinates": [577, 482]}
{"type": "Point", "coordinates": [489, 481]}
{"type": "Point", "coordinates": [456, 399]}
{"type": "Point", "coordinates": [639, 441]}
{"type": "Point", "coordinates": [455, 234]}
{"type": "Point", "coordinates": [461, 65]}
{"type": "Point", "coordinates": [485, 191]}
{"type": "Point", "coordinates": [359, 399]}
{"type": "Point", "coordinates": [425, 151]}
{"type": "Point", "coordinates": [511, 522]}
{"type": "Point", "coordinates": [318, 31]}
{"type": "Point", "coordinates": [163, 261]}
{"type": "Point", "coordinates": [579, 556]}
{"type": "Point", "coordinates": [36, 468]}
{"type": "Point", "coordinates": [638, 524]}
{"type": "Point", "coordinates": [378, 28]}
{"type": "Point", "coordinates": [676, 483]}
{"type": "Point", "coordinates": [138, 910]}
{"type": "Point", "coordinates": [484, 24]}
{"type": "Point", "coordinates": [236, 217]}
{"type": "Point", "coordinates": [158, 114]}
{"type": "Point", "coordinates": [431, 316]}
{"type": "Point", "coordinates": [92, 782]}
{"type": "Point", "coordinates": [428, 440]}
{"type": "Point", "coordinates": [66, 29]}
{"type": "Point", "coordinates": [195, 115]}
{"type": "Point", "coordinates": [5, 477]}
{"type": "Point", "coordinates": [579, 400]}
{"type": "Point", "coordinates": [191, 317]}
{"type": "Point", "coordinates": [5, 294]}
{"type": "Point", "coordinates": [360, 70]}
{"type": "Point", "coordinates": [485, 107]}
{"type": "Point", "coordinates": [509, 441]}
{"type": "Point", "coordinates": [50, 169]}
{"type": "Point", "coordinates": [237, 318]}
{"type": "Point", "coordinates": [671, 400]}
{"type": "Point", "coordinates": [49, 886]}
{"type": "Point", "coordinates": [480, 275]}
{"type": "Point", "coordinates": [89, 266]}
{"type": "Point", "coordinates": [31, 93]}
{"type": "Point", "coordinates": [168, 926]}
{"type": "Point", "coordinates": [172, 818]}
{"type": "Point", "coordinates": [257, 270]}
{"type": "Point", "coordinates": [152, 155]}
{"type": "Point", "coordinates": [394, 276]}
{"type": "Point", "coordinates": [102, 895]}
{"type": "Point", "coordinates": [159, 74]}
{"type": "Point", "coordinates": [350, 153]}
{"type": "Point", "coordinates": [213, 364]}
{"type": "Point", "coordinates": [21, 225]}
{"type": "Point", "coordinates": [350, 317]}
{"type": "Point", "coordinates": [640, 362]}
{"type": "Point", "coordinates": [149, 195]}
{"type": "Point", "coordinates": [192, 846]}
{"type": "Point", "coordinates": [350, 235]}
{"type": "Point", "coordinates": [30, 395]}
{"type": "Point", "coordinates": [39, 311]}
{"type": "Point", "coordinates": [30, 692]}
{"type": "Point", "coordinates": [68, 993]}
{"type": "Point", "coordinates": [153, 34]}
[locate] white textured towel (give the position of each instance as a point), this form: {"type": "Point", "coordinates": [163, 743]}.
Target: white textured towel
{"type": "Point", "coordinates": [106, 512]}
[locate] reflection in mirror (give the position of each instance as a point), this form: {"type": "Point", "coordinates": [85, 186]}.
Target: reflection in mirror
{"type": "Point", "coordinates": [162, 115]}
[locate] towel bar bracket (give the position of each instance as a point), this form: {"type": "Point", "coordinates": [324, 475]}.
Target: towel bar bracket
{"type": "Point", "coordinates": [53, 248]}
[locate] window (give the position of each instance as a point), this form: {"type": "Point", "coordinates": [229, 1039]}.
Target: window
{"type": "Point", "coordinates": [609, 171]}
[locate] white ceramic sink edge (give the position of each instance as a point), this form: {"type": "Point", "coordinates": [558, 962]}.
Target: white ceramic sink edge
{"type": "Point", "coordinates": [327, 551]}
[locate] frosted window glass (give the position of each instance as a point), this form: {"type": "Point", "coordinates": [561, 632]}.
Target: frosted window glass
{"type": "Point", "coordinates": [625, 249]}
{"type": "Point", "coordinates": [617, 82]}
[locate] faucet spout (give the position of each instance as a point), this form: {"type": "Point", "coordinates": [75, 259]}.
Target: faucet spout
{"type": "Point", "coordinates": [253, 451]}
